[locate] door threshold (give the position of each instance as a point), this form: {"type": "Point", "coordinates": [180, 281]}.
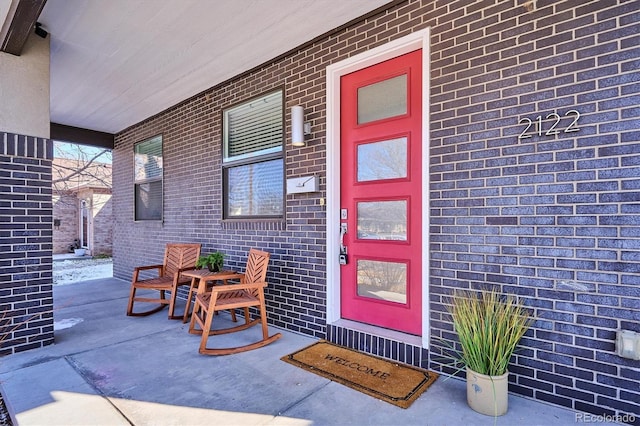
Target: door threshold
{"type": "Point", "coordinates": [379, 331]}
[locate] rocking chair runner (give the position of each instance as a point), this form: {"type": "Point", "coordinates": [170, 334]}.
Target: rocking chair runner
{"type": "Point", "coordinates": [249, 293]}
{"type": "Point", "coordinates": [177, 258]}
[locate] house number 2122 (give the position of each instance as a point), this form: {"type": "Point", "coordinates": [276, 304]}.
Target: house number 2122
{"type": "Point", "coordinates": [553, 129]}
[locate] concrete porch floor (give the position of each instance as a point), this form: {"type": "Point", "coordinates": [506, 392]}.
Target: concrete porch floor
{"type": "Point", "coordinates": [108, 369]}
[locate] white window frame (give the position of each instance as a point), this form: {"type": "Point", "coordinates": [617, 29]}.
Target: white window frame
{"type": "Point", "coordinates": [270, 152]}
{"type": "Point", "coordinates": [140, 177]}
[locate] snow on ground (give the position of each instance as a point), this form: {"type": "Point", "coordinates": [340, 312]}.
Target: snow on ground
{"type": "Point", "coordinates": [73, 270]}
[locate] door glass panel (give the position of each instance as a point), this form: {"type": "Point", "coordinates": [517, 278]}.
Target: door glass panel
{"type": "Point", "coordinates": [382, 280]}
{"type": "Point", "coordinates": [84, 235]}
{"type": "Point", "coordinates": [382, 160]}
{"type": "Point", "coordinates": [382, 220]}
{"type": "Point", "coordinates": [384, 99]}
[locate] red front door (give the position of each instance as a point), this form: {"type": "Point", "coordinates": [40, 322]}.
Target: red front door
{"type": "Point", "coordinates": [381, 194]}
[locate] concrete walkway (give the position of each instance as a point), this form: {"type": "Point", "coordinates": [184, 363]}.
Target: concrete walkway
{"type": "Point", "coordinates": [109, 369]}
{"type": "Point", "coordinates": [70, 256]}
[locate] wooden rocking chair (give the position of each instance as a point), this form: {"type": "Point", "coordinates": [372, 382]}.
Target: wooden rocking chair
{"type": "Point", "coordinates": [248, 293]}
{"type": "Point", "coordinates": [177, 258]}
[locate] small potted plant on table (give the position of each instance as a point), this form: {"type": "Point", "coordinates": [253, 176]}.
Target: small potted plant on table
{"type": "Point", "coordinates": [489, 327]}
{"type": "Point", "coordinates": [212, 261]}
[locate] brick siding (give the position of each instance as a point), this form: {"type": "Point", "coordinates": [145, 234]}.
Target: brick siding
{"type": "Point", "coordinates": [102, 243]}
{"type": "Point", "coordinates": [553, 219]}
{"type": "Point", "coordinates": [92, 184]}
{"type": "Point", "coordinates": [65, 209]}
{"type": "Point", "coordinates": [26, 299]}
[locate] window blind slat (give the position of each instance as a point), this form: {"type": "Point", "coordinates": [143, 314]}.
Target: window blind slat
{"type": "Point", "coordinates": [148, 159]}
{"type": "Point", "coordinates": [255, 126]}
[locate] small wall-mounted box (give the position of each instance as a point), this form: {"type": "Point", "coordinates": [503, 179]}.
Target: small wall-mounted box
{"type": "Point", "coordinates": [628, 344]}
{"type": "Point", "coordinates": [302, 184]}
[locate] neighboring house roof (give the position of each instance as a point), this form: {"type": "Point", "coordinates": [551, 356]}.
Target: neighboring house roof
{"type": "Point", "coordinates": [73, 175]}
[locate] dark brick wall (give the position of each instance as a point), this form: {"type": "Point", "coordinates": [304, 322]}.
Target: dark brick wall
{"type": "Point", "coordinates": [551, 218]}
{"type": "Point", "coordinates": [26, 299]}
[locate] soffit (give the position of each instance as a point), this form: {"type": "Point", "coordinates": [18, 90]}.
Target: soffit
{"type": "Point", "coordinates": [115, 63]}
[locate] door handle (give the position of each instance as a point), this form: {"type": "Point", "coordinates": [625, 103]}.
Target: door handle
{"type": "Point", "coordinates": [343, 230]}
{"type": "Point", "coordinates": [343, 249]}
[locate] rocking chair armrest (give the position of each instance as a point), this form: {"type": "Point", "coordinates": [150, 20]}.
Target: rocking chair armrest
{"type": "Point", "coordinates": [236, 287]}
{"type": "Point", "coordinates": [137, 269]}
{"type": "Point", "coordinates": [142, 268]}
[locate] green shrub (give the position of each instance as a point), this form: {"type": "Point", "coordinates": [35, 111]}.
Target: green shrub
{"type": "Point", "coordinates": [214, 261]}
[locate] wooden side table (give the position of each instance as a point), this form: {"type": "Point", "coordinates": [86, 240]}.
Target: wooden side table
{"type": "Point", "coordinates": [201, 276]}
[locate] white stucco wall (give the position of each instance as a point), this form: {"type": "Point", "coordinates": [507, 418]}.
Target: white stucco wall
{"type": "Point", "coordinates": [24, 89]}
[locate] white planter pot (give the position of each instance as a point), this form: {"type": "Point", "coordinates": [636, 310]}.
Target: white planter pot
{"type": "Point", "coordinates": [488, 395]}
{"type": "Point", "coordinates": [79, 252]}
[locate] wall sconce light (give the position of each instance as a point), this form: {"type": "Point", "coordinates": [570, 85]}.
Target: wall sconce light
{"type": "Point", "coordinates": [299, 128]}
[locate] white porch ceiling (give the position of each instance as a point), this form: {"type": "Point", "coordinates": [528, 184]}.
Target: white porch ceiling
{"type": "Point", "coordinates": [115, 63]}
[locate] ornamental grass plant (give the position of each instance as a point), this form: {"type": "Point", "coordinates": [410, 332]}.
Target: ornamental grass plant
{"type": "Point", "coordinates": [489, 326]}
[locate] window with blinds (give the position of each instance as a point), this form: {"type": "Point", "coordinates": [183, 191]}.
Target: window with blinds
{"type": "Point", "coordinates": [148, 179]}
{"type": "Point", "coordinates": [253, 164]}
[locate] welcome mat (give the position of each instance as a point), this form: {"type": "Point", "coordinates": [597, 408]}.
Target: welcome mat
{"type": "Point", "coordinates": [389, 381]}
